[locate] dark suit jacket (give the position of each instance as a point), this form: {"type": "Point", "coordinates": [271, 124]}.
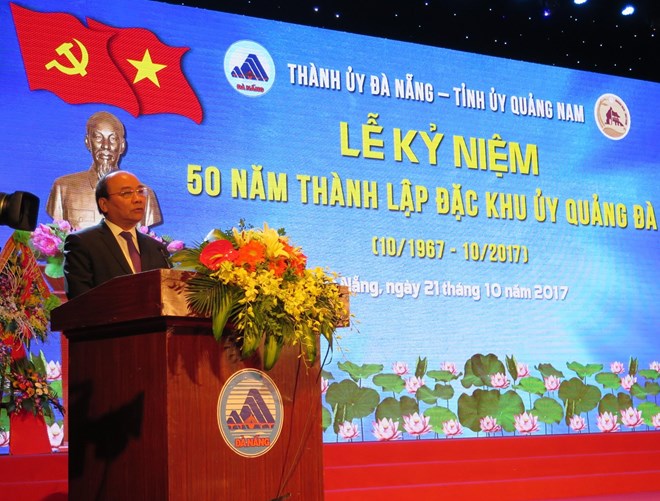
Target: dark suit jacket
{"type": "Point", "coordinates": [92, 256]}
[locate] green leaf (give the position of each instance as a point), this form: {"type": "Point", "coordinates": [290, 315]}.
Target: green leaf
{"type": "Point", "coordinates": [633, 365]}
{"type": "Point", "coordinates": [391, 408]}
{"type": "Point", "coordinates": [649, 374]}
{"type": "Point", "coordinates": [648, 410]}
{"type": "Point", "coordinates": [651, 388]}
{"type": "Point", "coordinates": [431, 396]}
{"type": "Point", "coordinates": [54, 269]}
{"type": "Point", "coordinates": [390, 382]}
{"type": "Point", "coordinates": [584, 371]}
{"type": "Point", "coordinates": [512, 366]}
{"type": "Point", "coordinates": [358, 372]}
{"type": "Point", "coordinates": [272, 349]}
{"type": "Point", "coordinates": [532, 385]}
{"type": "Point", "coordinates": [420, 370]}
{"type": "Point", "coordinates": [326, 418]}
{"type": "Point", "coordinates": [439, 415]}
{"type": "Point", "coordinates": [637, 391]}
{"type": "Point", "coordinates": [608, 380]}
{"type": "Point", "coordinates": [577, 396]}
{"type": "Point", "coordinates": [479, 369]}
{"type": "Point", "coordinates": [482, 403]}
{"type": "Point", "coordinates": [358, 402]}
{"type": "Point", "coordinates": [444, 376]}
{"type": "Point", "coordinates": [326, 375]}
{"type": "Point", "coordinates": [615, 404]}
{"type": "Point", "coordinates": [548, 370]}
{"type": "Point", "coordinates": [548, 410]}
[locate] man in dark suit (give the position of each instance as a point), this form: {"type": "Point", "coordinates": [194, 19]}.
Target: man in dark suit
{"type": "Point", "coordinates": [113, 247]}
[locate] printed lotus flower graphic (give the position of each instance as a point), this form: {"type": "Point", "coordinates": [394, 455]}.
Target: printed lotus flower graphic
{"type": "Point", "coordinates": [386, 429]}
{"type": "Point", "coordinates": [491, 398]}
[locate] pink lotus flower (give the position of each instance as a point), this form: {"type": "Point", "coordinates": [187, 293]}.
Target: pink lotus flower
{"type": "Point", "coordinates": [523, 370]}
{"type": "Point", "coordinates": [632, 417]}
{"type": "Point", "coordinates": [175, 245]}
{"type": "Point", "coordinates": [526, 423]}
{"type": "Point", "coordinates": [416, 424]}
{"type": "Point", "coordinates": [449, 367]}
{"type": "Point", "coordinates": [413, 384]}
{"type": "Point", "coordinates": [45, 241]}
{"type": "Point", "coordinates": [655, 366]}
{"type": "Point", "coordinates": [628, 381]}
{"type": "Point", "coordinates": [64, 225]}
{"type": "Point", "coordinates": [499, 380]}
{"type": "Point", "coordinates": [489, 424]}
{"type": "Point", "coordinates": [577, 423]}
{"type": "Point", "coordinates": [452, 428]}
{"type": "Point", "coordinates": [655, 420]}
{"type": "Point", "coordinates": [55, 435]}
{"type": "Point", "coordinates": [386, 430]}
{"type": "Point", "coordinates": [607, 422]}
{"type": "Point", "coordinates": [324, 385]}
{"type": "Point", "coordinates": [4, 438]}
{"type": "Point", "coordinates": [400, 368]}
{"type": "Point", "coordinates": [617, 367]}
{"type": "Point", "coordinates": [53, 371]}
{"type": "Point", "coordinates": [551, 383]}
{"type": "Point", "coordinates": [348, 430]}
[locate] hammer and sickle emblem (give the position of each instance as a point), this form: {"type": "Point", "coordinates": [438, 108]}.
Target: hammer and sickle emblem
{"type": "Point", "coordinates": [78, 67]}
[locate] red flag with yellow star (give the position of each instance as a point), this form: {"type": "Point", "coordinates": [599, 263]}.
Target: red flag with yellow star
{"type": "Point", "coordinates": [154, 71]}
{"type": "Point", "coordinates": [64, 57]}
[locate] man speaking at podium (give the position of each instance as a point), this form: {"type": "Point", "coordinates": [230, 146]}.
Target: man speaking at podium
{"type": "Point", "coordinates": [113, 247]}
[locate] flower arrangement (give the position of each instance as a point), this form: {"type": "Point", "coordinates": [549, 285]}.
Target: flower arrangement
{"type": "Point", "coordinates": [25, 301]}
{"type": "Point", "coordinates": [47, 242]}
{"type": "Point", "coordinates": [24, 387]}
{"type": "Point", "coordinates": [258, 283]}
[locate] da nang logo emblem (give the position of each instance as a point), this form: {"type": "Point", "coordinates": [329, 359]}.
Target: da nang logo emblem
{"type": "Point", "coordinates": [249, 68]}
{"type": "Point", "coordinates": [250, 413]}
{"type": "Point", "coordinates": [612, 116]}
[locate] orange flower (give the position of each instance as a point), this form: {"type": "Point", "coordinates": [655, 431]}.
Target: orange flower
{"type": "Point", "coordinates": [250, 255]}
{"type": "Point", "coordinates": [278, 266]}
{"type": "Point", "coordinates": [297, 260]}
{"type": "Point", "coordinates": [216, 252]}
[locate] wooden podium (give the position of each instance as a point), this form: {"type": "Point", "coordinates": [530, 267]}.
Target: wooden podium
{"type": "Point", "coordinates": [145, 377]}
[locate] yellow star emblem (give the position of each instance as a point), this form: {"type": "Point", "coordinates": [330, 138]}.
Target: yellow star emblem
{"type": "Point", "coordinates": [147, 68]}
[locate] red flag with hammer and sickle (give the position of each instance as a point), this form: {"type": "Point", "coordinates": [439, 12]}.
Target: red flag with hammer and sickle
{"type": "Point", "coordinates": [154, 71]}
{"type": "Point", "coordinates": [61, 55]}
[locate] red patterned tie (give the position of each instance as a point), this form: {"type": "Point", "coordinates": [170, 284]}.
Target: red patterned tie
{"type": "Point", "coordinates": [132, 251]}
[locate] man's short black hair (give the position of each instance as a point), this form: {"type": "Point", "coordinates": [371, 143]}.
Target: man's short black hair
{"type": "Point", "coordinates": [101, 191]}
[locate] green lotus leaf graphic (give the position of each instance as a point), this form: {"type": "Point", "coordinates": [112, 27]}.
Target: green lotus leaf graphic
{"type": "Point", "coordinates": [578, 397]}
{"type": "Point", "coordinates": [648, 410]}
{"type": "Point", "coordinates": [548, 370]}
{"type": "Point", "coordinates": [350, 401]}
{"type": "Point", "coordinates": [479, 369]}
{"type": "Point", "coordinates": [326, 418]}
{"type": "Point", "coordinates": [394, 409]}
{"type": "Point", "coordinates": [649, 374]}
{"type": "Point", "coordinates": [531, 385]}
{"type": "Point", "coordinates": [608, 380]}
{"type": "Point", "coordinates": [358, 372]}
{"type": "Point", "coordinates": [437, 416]}
{"type": "Point", "coordinates": [584, 371]}
{"type": "Point", "coordinates": [615, 403]}
{"type": "Point", "coordinates": [548, 410]}
{"type": "Point", "coordinates": [431, 396]}
{"type": "Point", "coordinates": [482, 403]}
{"type": "Point", "coordinates": [390, 382]}
{"type": "Point", "coordinates": [443, 376]}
